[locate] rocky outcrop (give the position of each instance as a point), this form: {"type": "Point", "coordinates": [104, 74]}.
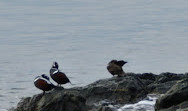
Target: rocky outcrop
{"type": "Point", "coordinates": [163, 82]}
{"type": "Point", "coordinates": [56, 100]}
{"type": "Point", "coordinates": [174, 99]}
{"type": "Point", "coordinates": [119, 90]}
{"type": "Point", "coordinates": [99, 95]}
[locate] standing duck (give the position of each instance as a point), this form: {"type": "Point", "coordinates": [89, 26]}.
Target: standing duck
{"type": "Point", "coordinates": [57, 75]}
{"type": "Point", "coordinates": [43, 82]}
{"type": "Point", "coordinates": [115, 67]}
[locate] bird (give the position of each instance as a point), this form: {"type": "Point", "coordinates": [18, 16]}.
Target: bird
{"type": "Point", "coordinates": [43, 82]}
{"type": "Point", "coordinates": [57, 75]}
{"type": "Point", "coordinates": [55, 65]}
{"type": "Point", "coordinates": [115, 67]}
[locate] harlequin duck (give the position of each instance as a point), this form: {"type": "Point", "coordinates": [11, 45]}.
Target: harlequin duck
{"type": "Point", "coordinates": [57, 75]}
{"type": "Point", "coordinates": [43, 82]}
{"type": "Point", "coordinates": [115, 67]}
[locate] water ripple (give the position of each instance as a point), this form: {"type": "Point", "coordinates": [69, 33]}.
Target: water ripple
{"type": "Point", "coordinates": [18, 88]}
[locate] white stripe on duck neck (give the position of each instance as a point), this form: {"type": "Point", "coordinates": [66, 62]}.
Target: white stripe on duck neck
{"type": "Point", "coordinates": [42, 79]}
{"type": "Point", "coordinates": [56, 71]}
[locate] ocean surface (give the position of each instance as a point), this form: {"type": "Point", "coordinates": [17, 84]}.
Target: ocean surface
{"type": "Point", "coordinates": [83, 36]}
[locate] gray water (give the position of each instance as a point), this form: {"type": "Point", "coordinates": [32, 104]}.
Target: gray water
{"type": "Point", "coordinates": [83, 36]}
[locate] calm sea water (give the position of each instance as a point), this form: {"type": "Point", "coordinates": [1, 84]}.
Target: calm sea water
{"type": "Point", "coordinates": [83, 36]}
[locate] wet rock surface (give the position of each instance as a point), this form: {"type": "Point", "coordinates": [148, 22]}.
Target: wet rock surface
{"type": "Point", "coordinates": [174, 99]}
{"type": "Point", "coordinates": [99, 95]}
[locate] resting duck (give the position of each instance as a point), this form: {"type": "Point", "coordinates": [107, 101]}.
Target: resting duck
{"type": "Point", "coordinates": [43, 82]}
{"type": "Point", "coordinates": [57, 75]}
{"type": "Point", "coordinates": [115, 67]}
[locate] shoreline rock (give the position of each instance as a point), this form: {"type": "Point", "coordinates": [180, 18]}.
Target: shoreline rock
{"type": "Point", "coordinates": [96, 96]}
{"type": "Point", "coordinates": [175, 98]}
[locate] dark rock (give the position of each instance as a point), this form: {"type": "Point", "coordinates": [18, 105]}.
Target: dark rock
{"type": "Point", "coordinates": [175, 98]}
{"type": "Point", "coordinates": [107, 108]}
{"type": "Point", "coordinates": [160, 88]}
{"type": "Point", "coordinates": [148, 76]}
{"type": "Point", "coordinates": [120, 90]}
{"type": "Point", "coordinates": [56, 100]}
{"type": "Point", "coordinates": [181, 107]}
{"type": "Point", "coordinates": [165, 77]}
{"type": "Point", "coordinates": [163, 82]}
{"type": "Point", "coordinates": [102, 94]}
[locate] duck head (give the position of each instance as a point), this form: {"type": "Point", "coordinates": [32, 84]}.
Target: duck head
{"type": "Point", "coordinates": [55, 65]}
